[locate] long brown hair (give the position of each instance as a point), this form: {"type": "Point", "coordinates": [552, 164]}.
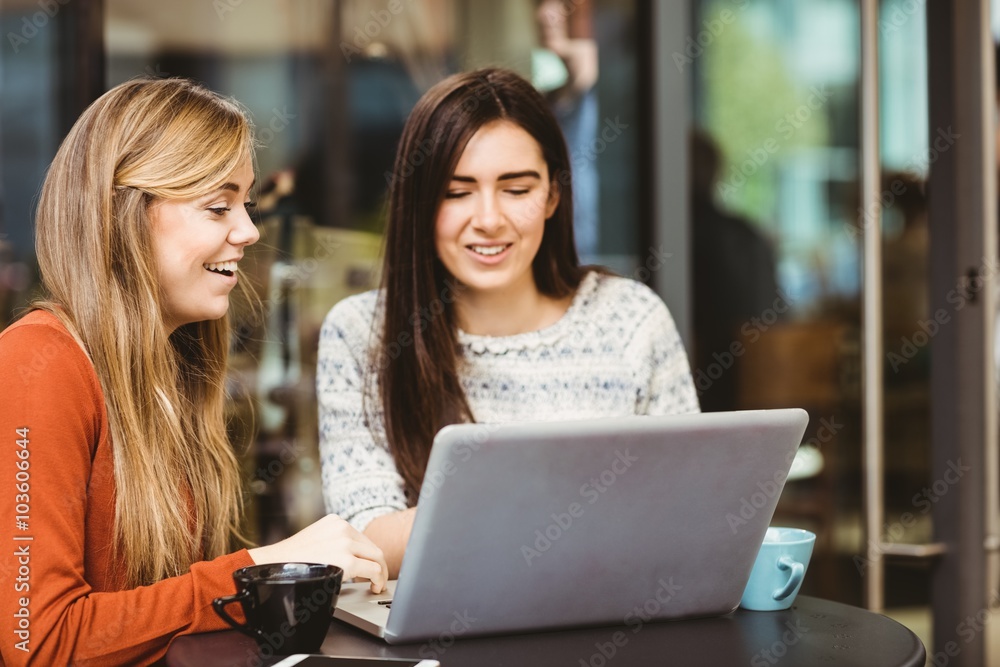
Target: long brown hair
{"type": "Point", "coordinates": [178, 496]}
{"type": "Point", "coordinates": [417, 357]}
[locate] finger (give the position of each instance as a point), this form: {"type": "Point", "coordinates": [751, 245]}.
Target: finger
{"type": "Point", "coordinates": [368, 569]}
{"type": "Point", "coordinates": [369, 552]}
{"type": "Point", "coordinates": [381, 576]}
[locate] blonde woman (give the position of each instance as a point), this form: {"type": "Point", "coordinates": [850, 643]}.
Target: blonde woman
{"type": "Point", "coordinates": [119, 491]}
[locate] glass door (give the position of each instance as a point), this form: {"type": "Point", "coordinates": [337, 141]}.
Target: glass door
{"type": "Point", "coordinates": [778, 225]}
{"type": "Point", "coordinates": [776, 260]}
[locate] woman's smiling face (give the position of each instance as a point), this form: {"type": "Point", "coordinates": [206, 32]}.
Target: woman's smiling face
{"type": "Point", "coordinates": [197, 243]}
{"type": "Point", "coordinates": [492, 219]}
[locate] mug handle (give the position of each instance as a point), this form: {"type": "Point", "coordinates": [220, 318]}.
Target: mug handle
{"type": "Point", "coordinates": [798, 571]}
{"type": "Point", "coordinates": [219, 604]}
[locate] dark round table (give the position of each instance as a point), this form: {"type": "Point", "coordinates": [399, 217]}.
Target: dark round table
{"type": "Point", "coordinates": [812, 632]}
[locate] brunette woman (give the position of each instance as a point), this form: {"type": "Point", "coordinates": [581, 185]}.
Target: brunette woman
{"type": "Point", "coordinates": [484, 313]}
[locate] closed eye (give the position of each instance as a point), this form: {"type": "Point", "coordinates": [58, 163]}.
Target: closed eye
{"type": "Point", "coordinates": [220, 211]}
{"type": "Point", "coordinates": [455, 195]}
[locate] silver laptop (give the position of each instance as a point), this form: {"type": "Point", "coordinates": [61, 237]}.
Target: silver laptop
{"type": "Point", "coordinates": [537, 526]}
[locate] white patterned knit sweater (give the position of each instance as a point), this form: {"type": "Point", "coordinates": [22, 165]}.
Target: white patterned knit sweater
{"type": "Point", "coordinates": [614, 352]}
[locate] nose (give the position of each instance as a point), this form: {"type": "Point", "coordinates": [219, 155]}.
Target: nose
{"type": "Point", "coordinates": [243, 231]}
{"type": "Point", "coordinates": [488, 218]}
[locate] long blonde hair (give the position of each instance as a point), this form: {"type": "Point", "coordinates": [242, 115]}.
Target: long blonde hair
{"type": "Point", "coordinates": [178, 491]}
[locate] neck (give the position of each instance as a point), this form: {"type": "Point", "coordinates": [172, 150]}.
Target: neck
{"type": "Point", "coordinates": [508, 311]}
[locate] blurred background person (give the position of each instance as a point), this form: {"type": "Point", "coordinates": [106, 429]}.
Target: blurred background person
{"type": "Point", "coordinates": [734, 280]}
{"type": "Point", "coordinates": [566, 31]}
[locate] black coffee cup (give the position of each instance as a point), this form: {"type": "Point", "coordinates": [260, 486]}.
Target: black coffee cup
{"type": "Point", "coordinates": [288, 606]}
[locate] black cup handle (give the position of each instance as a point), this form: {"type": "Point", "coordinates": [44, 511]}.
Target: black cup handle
{"type": "Point", "coordinates": [219, 604]}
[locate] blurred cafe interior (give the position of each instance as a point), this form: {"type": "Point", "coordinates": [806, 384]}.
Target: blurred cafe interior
{"type": "Point", "coordinates": [816, 204]}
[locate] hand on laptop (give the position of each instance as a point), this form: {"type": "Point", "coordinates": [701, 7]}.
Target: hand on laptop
{"type": "Point", "coordinates": [334, 541]}
{"type": "Point", "coordinates": [391, 532]}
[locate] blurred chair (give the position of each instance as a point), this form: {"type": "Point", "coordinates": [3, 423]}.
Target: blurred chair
{"type": "Point", "coordinates": [793, 364]}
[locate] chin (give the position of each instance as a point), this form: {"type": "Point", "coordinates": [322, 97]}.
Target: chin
{"type": "Point", "coordinates": [218, 315]}
{"type": "Point", "coordinates": [213, 314]}
{"type": "Point", "coordinates": [486, 285]}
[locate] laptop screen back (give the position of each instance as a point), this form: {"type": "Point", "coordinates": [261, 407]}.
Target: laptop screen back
{"type": "Point", "coordinates": [611, 521]}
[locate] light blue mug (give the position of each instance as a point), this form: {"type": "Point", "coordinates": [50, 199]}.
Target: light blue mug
{"type": "Point", "coordinates": [779, 569]}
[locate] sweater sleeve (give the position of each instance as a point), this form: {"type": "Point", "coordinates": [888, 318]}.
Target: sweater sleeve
{"type": "Point", "coordinates": [360, 480]}
{"type": "Point", "coordinates": [50, 420]}
{"type": "Point", "coordinates": [663, 368]}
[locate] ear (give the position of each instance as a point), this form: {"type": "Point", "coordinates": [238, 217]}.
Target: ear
{"type": "Point", "coordinates": [553, 202]}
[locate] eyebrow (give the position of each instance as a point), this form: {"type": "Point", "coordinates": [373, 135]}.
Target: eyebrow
{"type": "Point", "coordinates": [236, 188]}
{"type": "Point", "coordinates": [530, 173]}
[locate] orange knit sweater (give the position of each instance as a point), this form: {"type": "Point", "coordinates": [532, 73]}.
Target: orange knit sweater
{"type": "Point", "coordinates": [61, 596]}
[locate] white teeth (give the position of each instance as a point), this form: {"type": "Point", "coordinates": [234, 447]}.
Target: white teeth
{"type": "Point", "coordinates": [488, 250]}
{"type": "Point", "coordinates": [221, 266]}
